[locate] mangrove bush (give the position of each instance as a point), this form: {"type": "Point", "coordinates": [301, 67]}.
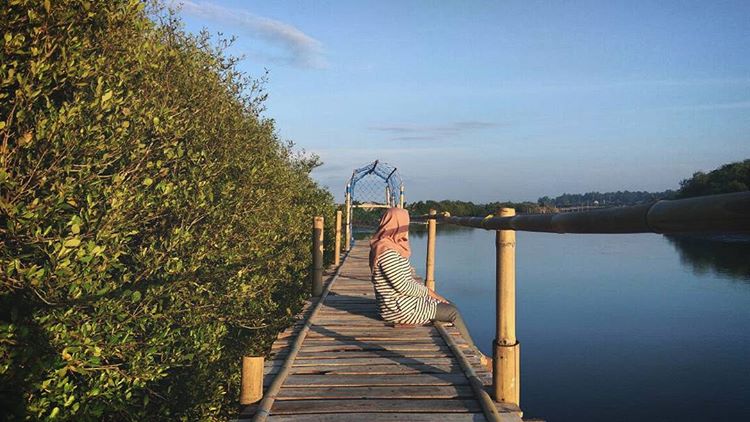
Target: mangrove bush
{"type": "Point", "coordinates": [153, 227]}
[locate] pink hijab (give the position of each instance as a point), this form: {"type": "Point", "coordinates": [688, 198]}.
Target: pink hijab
{"type": "Point", "coordinates": [393, 233]}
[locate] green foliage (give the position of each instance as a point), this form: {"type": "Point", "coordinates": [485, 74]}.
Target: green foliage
{"type": "Point", "coordinates": [733, 177]}
{"type": "Point", "coordinates": [153, 226]}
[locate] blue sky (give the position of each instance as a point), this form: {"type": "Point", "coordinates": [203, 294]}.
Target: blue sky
{"type": "Point", "coordinates": [488, 101]}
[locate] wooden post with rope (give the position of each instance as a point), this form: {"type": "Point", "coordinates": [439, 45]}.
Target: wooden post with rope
{"type": "Point", "coordinates": [506, 368]}
{"type": "Point", "coordinates": [317, 253]}
{"type": "Point", "coordinates": [348, 205]}
{"type": "Point", "coordinates": [337, 246]}
{"type": "Point", "coordinates": [431, 234]}
{"type": "Point", "coordinates": [251, 387]}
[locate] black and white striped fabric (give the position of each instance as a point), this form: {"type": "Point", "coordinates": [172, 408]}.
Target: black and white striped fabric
{"type": "Point", "coordinates": [400, 298]}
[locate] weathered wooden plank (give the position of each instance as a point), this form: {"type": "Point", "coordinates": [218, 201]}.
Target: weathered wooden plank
{"type": "Point", "coordinates": [389, 380]}
{"type": "Point", "coordinates": [308, 354]}
{"type": "Point", "coordinates": [374, 347]}
{"type": "Point", "coordinates": [368, 336]}
{"type": "Point", "coordinates": [331, 314]}
{"type": "Point", "coordinates": [381, 417]}
{"type": "Point", "coordinates": [365, 370]}
{"type": "Point", "coordinates": [364, 307]}
{"type": "Point", "coordinates": [362, 288]}
{"type": "Point", "coordinates": [334, 326]}
{"type": "Point", "coordinates": [385, 336]}
{"type": "Point", "coordinates": [302, 355]}
{"type": "Point", "coordinates": [301, 407]}
{"type": "Point", "coordinates": [401, 392]}
{"type": "Point", "coordinates": [338, 306]}
{"type": "Point", "coordinates": [418, 332]}
{"type": "Point", "coordinates": [391, 344]}
{"type": "Point", "coordinates": [339, 298]}
{"type": "Point", "coordinates": [343, 340]}
{"type": "Point", "coordinates": [374, 361]}
{"type": "Point", "coordinates": [350, 321]}
{"type": "Point", "coordinates": [386, 326]}
{"type": "Point", "coordinates": [360, 380]}
{"type": "Point", "coordinates": [325, 331]}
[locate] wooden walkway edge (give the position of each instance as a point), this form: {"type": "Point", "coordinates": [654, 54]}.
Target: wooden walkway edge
{"type": "Point", "coordinates": [353, 366]}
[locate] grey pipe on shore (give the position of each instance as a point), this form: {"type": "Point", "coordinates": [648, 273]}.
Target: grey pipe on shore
{"type": "Point", "coordinates": [729, 212]}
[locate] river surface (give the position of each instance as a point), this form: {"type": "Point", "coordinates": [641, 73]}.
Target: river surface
{"type": "Point", "coordinates": [612, 327]}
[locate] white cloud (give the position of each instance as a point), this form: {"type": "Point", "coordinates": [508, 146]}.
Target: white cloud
{"type": "Point", "coordinates": [294, 46]}
{"type": "Point", "coordinates": [431, 132]}
{"type": "Point", "coordinates": [707, 107]}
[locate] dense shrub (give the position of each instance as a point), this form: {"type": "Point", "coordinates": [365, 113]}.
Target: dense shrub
{"type": "Point", "coordinates": [153, 226]}
{"type": "Point", "coordinates": [732, 177]}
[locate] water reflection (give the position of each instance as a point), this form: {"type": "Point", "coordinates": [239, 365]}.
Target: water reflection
{"type": "Point", "coordinates": [727, 256]}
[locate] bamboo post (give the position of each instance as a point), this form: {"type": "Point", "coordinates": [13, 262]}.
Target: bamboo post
{"type": "Point", "coordinates": [317, 252]}
{"type": "Point", "coordinates": [251, 389]}
{"type": "Point", "coordinates": [348, 205]}
{"type": "Point", "coordinates": [388, 196]}
{"type": "Point", "coordinates": [430, 272]}
{"type": "Point", "coordinates": [401, 197]}
{"type": "Point", "coordinates": [506, 368]}
{"type": "Point", "coordinates": [337, 247]}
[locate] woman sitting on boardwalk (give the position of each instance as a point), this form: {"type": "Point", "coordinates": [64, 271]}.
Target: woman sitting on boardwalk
{"type": "Point", "coordinates": [400, 298]}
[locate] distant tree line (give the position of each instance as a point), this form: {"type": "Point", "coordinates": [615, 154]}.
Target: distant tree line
{"type": "Point", "coordinates": [613, 199]}
{"type": "Point", "coordinates": [464, 208]}
{"type": "Point", "coordinates": [733, 177]}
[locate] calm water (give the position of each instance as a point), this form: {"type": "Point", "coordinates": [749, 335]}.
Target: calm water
{"type": "Point", "coordinates": [613, 327]}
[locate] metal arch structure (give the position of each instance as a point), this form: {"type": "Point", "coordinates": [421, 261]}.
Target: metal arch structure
{"type": "Point", "coordinates": [390, 178]}
{"type": "Point", "coordinates": [374, 185]}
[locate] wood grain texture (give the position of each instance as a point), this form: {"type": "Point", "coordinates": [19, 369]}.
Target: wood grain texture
{"type": "Point", "coordinates": [382, 417]}
{"type": "Point", "coordinates": [369, 392]}
{"type": "Point", "coordinates": [301, 407]}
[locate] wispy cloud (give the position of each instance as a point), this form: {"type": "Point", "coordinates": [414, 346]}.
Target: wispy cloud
{"type": "Point", "coordinates": [707, 107]}
{"type": "Point", "coordinates": [431, 132]}
{"type": "Point", "coordinates": [535, 87]}
{"type": "Point", "coordinates": [413, 138]}
{"type": "Point", "coordinates": [293, 46]}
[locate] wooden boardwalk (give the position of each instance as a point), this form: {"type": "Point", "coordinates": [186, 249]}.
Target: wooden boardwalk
{"type": "Point", "coordinates": [354, 366]}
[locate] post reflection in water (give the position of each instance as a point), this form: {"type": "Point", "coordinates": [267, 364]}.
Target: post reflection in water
{"type": "Point", "coordinates": [726, 256]}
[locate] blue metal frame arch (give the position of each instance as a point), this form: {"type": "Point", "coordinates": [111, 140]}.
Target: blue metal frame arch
{"type": "Point", "coordinates": [385, 171]}
{"type": "Point", "coordinates": [391, 179]}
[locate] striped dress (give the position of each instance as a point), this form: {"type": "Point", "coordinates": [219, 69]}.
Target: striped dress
{"type": "Point", "coordinates": [400, 298]}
